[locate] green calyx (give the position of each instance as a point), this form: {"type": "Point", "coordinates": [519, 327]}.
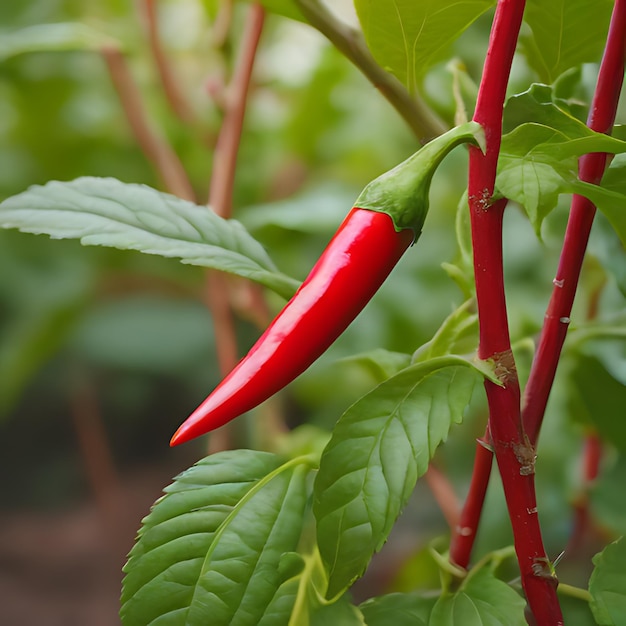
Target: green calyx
{"type": "Point", "coordinates": [402, 192]}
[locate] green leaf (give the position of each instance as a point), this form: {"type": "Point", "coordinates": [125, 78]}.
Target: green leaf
{"type": "Point", "coordinates": [408, 37]}
{"type": "Point", "coordinates": [457, 334]}
{"type": "Point", "coordinates": [341, 612]}
{"type": "Point", "coordinates": [399, 609]}
{"type": "Point", "coordinates": [596, 397]}
{"type": "Point", "coordinates": [29, 341]}
{"type": "Point", "coordinates": [286, 8]}
{"type": "Point", "coordinates": [107, 212]}
{"type": "Point", "coordinates": [565, 33]}
{"type": "Point", "coordinates": [219, 546]}
{"type": "Point", "coordinates": [379, 448]}
{"type": "Point", "coordinates": [607, 585]}
{"type": "Point", "coordinates": [540, 104]}
{"type": "Point", "coordinates": [538, 163]}
{"type": "Point", "coordinates": [607, 496]}
{"type": "Point", "coordinates": [380, 364]}
{"type": "Point", "coordinates": [51, 37]}
{"type": "Point", "coordinates": [482, 600]}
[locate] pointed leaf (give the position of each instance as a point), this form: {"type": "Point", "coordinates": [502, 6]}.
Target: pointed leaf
{"type": "Point", "coordinates": [457, 334]}
{"type": "Point", "coordinates": [595, 397]}
{"type": "Point", "coordinates": [607, 585]}
{"type": "Point", "coordinates": [482, 600]}
{"type": "Point", "coordinates": [399, 609]}
{"type": "Point", "coordinates": [379, 448]}
{"type": "Point", "coordinates": [408, 37]}
{"type": "Point", "coordinates": [565, 33]}
{"type": "Point", "coordinates": [539, 162]}
{"type": "Point", "coordinates": [380, 364]}
{"type": "Point", "coordinates": [219, 545]}
{"type": "Point", "coordinates": [49, 37]}
{"type": "Point", "coordinates": [107, 212]}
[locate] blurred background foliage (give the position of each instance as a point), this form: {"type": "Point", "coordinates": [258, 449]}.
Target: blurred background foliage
{"type": "Point", "coordinates": [129, 338]}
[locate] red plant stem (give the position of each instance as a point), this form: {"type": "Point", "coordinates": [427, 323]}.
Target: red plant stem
{"type": "Point", "coordinates": [225, 157]}
{"type": "Point", "coordinates": [514, 455]}
{"type": "Point", "coordinates": [153, 145]}
{"type": "Point", "coordinates": [464, 535]}
{"type": "Point", "coordinates": [553, 335]}
{"type": "Point", "coordinates": [444, 494]}
{"type": "Point", "coordinates": [591, 458]}
{"type": "Point", "coordinates": [590, 169]}
{"type": "Point", "coordinates": [171, 89]}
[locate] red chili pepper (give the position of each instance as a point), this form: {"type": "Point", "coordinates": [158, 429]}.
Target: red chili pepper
{"type": "Point", "coordinates": [350, 271]}
{"type": "Point", "coordinates": [370, 241]}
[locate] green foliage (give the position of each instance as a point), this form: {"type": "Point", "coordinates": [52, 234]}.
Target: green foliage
{"type": "Point", "coordinates": [221, 542]}
{"type": "Point", "coordinates": [481, 600]}
{"type": "Point", "coordinates": [248, 537]}
{"type": "Point", "coordinates": [608, 585]}
{"type": "Point", "coordinates": [597, 399]}
{"type": "Point", "coordinates": [49, 37]}
{"type": "Point", "coordinates": [105, 212]}
{"type": "Point", "coordinates": [407, 38]}
{"type": "Point", "coordinates": [565, 34]}
{"type": "Point", "coordinates": [378, 450]}
{"type": "Point", "coordinates": [401, 609]}
{"type": "Point", "coordinates": [538, 160]}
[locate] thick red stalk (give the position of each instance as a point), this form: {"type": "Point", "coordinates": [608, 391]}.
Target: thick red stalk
{"type": "Point", "coordinates": [514, 454]}
{"type": "Point", "coordinates": [551, 341]}
{"type": "Point", "coordinates": [591, 168]}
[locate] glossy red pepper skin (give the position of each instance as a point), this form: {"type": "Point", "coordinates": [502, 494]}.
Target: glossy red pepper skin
{"type": "Point", "coordinates": [351, 269]}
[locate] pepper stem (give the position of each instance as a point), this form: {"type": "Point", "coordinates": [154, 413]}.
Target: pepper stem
{"type": "Point", "coordinates": [402, 193]}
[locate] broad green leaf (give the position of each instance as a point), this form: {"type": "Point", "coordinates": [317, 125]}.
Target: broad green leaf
{"type": "Point", "coordinates": [399, 609]}
{"type": "Point", "coordinates": [28, 342]}
{"type": "Point", "coordinates": [457, 334]}
{"type": "Point", "coordinates": [341, 612]}
{"type": "Point", "coordinates": [50, 37]}
{"type": "Point", "coordinates": [482, 600]}
{"type": "Point", "coordinates": [379, 363]}
{"type": "Point", "coordinates": [596, 397]}
{"type": "Point", "coordinates": [538, 163]}
{"type": "Point", "coordinates": [310, 608]}
{"type": "Point", "coordinates": [605, 244]}
{"type": "Point", "coordinates": [607, 496]}
{"type": "Point", "coordinates": [107, 212]}
{"type": "Point", "coordinates": [539, 104]}
{"type": "Point", "coordinates": [607, 585]}
{"type": "Point", "coordinates": [219, 546]}
{"type": "Point", "coordinates": [286, 8]}
{"type": "Point", "coordinates": [565, 33]}
{"type": "Point", "coordinates": [379, 448]}
{"type": "Point", "coordinates": [408, 37]}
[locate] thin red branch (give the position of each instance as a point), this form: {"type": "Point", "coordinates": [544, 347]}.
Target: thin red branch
{"type": "Point", "coordinates": [444, 494]}
{"type": "Point", "coordinates": [514, 454]}
{"type": "Point", "coordinates": [464, 534]}
{"type": "Point", "coordinates": [591, 169]}
{"type": "Point", "coordinates": [96, 451]}
{"type": "Point", "coordinates": [225, 157]}
{"type": "Point", "coordinates": [171, 88]}
{"type": "Point", "coordinates": [155, 147]}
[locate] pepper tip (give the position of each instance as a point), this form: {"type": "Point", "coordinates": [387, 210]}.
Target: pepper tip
{"type": "Point", "coordinates": [178, 437]}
